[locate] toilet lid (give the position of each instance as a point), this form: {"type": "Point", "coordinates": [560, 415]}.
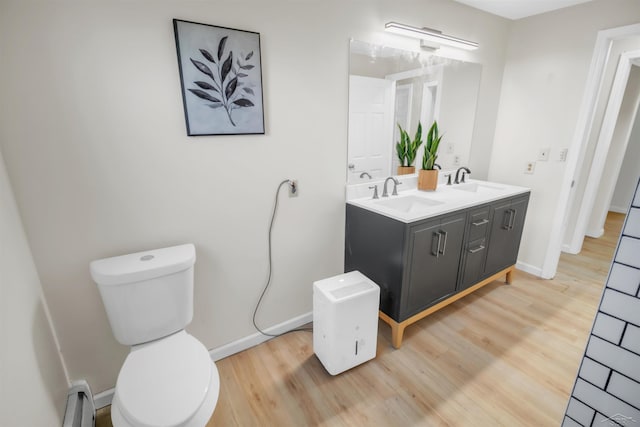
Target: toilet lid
{"type": "Point", "coordinates": [165, 382]}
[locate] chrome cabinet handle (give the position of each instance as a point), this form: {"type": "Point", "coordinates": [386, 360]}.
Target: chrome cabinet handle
{"type": "Point", "coordinates": [352, 166]}
{"type": "Point", "coordinates": [505, 219]}
{"type": "Point", "coordinates": [444, 244]}
{"type": "Point", "coordinates": [512, 219]}
{"type": "Point", "coordinates": [479, 223]}
{"type": "Point", "coordinates": [478, 249]}
{"type": "Point", "coordinates": [510, 216]}
{"type": "Point", "coordinates": [436, 253]}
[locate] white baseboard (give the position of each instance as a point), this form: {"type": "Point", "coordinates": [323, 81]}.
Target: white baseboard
{"type": "Point", "coordinates": [528, 268]}
{"type": "Point", "coordinates": [595, 234]}
{"type": "Point", "coordinates": [257, 338]}
{"type": "Point", "coordinates": [104, 398]}
{"type": "Point", "coordinates": [619, 209]}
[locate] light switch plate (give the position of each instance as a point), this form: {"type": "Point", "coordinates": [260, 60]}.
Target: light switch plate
{"type": "Point", "coordinates": [562, 155]}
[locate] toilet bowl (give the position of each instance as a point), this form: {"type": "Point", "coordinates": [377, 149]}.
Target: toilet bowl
{"type": "Point", "coordinates": [168, 379]}
{"type": "Point", "coordinates": [171, 382]}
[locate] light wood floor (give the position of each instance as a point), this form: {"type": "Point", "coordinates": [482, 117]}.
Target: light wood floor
{"type": "Point", "coordinates": [506, 355]}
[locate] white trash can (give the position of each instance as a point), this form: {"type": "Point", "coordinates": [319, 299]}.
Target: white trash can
{"type": "Point", "coordinates": [345, 320]}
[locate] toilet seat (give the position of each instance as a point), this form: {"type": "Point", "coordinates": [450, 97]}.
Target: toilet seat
{"type": "Point", "coordinates": [170, 382]}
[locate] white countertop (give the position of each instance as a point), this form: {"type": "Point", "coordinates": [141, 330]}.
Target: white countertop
{"type": "Point", "coordinates": [413, 205]}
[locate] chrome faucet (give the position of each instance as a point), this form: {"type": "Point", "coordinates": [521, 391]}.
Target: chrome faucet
{"type": "Point", "coordinates": [395, 187]}
{"type": "Point", "coordinates": [463, 169]}
{"type": "Point", "coordinates": [365, 173]}
{"type": "Point", "coordinates": [375, 191]}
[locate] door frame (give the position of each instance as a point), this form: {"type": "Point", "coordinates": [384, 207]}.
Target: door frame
{"type": "Point", "coordinates": [575, 158]}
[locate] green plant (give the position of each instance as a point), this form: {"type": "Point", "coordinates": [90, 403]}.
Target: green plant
{"type": "Point", "coordinates": [407, 148]}
{"type": "Point", "coordinates": [431, 147]}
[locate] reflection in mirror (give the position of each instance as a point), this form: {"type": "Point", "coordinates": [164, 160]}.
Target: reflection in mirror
{"type": "Point", "coordinates": [390, 87]}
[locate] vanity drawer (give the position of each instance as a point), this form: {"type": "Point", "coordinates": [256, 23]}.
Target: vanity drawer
{"type": "Point", "coordinates": [474, 263]}
{"type": "Point", "coordinates": [478, 223]}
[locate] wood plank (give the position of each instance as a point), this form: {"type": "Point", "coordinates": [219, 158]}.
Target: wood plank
{"type": "Point", "coordinates": [397, 328]}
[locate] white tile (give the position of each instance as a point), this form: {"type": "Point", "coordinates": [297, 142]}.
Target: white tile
{"type": "Point", "coordinates": [594, 372]}
{"type": "Point", "coordinates": [625, 279]}
{"type": "Point", "coordinates": [608, 327]}
{"type": "Point", "coordinates": [603, 402]}
{"type": "Point", "coordinates": [624, 388]}
{"type": "Point", "coordinates": [622, 306]}
{"type": "Point", "coordinates": [631, 339]}
{"type": "Point", "coordinates": [632, 227]}
{"type": "Point", "coordinates": [614, 357]}
{"type": "Point", "coordinates": [580, 412]}
{"type": "Point", "coordinates": [568, 422]}
{"type": "Point", "coordinates": [601, 420]}
{"type": "Point", "coordinates": [629, 251]}
{"type": "Point", "coordinates": [636, 200]}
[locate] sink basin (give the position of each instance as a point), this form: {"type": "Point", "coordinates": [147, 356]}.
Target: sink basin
{"type": "Point", "coordinates": [475, 187]}
{"type": "Point", "coordinates": [408, 203]}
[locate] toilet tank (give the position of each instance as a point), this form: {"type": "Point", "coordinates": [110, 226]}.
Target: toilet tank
{"type": "Point", "coordinates": [147, 295]}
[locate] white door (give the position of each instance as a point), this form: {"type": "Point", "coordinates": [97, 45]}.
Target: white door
{"type": "Point", "coordinates": [371, 104]}
{"type": "Point", "coordinates": [402, 117]}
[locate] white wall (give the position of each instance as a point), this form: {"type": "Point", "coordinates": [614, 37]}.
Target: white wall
{"type": "Point", "coordinates": [547, 63]}
{"type": "Point", "coordinates": [629, 172]}
{"type": "Point", "coordinates": [92, 129]}
{"type": "Point", "coordinates": [33, 385]}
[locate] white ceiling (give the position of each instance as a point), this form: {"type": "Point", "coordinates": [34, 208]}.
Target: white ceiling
{"type": "Point", "coordinates": [516, 9]}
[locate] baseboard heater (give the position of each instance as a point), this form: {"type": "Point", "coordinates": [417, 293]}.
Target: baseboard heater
{"type": "Point", "coordinates": [80, 411]}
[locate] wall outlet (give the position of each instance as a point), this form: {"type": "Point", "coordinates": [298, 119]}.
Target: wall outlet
{"type": "Point", "coordinates": [543, 154]}
{"type": "Point", "coordinates": [293, 188]}
{"type": "Point", "coordinates": [456, 160]}
{"type": "Point", "coordinates": [530, 167]}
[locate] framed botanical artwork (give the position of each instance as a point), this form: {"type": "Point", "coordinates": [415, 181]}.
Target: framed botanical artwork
{"type": "Point", "coordinates": [221, 79]}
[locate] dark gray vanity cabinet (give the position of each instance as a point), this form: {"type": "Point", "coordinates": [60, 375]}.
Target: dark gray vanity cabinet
{"type": "Point", "coordinates": [375, 245]}
{"type": "Point", "coordinates": [434, 252]}
{"type": "Point", "coordinates": [425, 265]}
{"type": "Point", "coordinates": [416, 265]}
{"type": "Point", "coordinates": [506, 231]}
{"type": "Point", "coordinates": [475, 253]}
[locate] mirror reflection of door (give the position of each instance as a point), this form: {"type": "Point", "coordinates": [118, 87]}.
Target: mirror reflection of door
{"type": "Point", "coordinates": [371, 115]}
{"type": "Point", "coordinates": [428, 113]}
{"type": "Point", "coordinates": [404, 99]}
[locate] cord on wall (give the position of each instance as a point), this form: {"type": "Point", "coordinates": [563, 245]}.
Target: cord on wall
{"type": "Point", "coordinates": [293, 188]}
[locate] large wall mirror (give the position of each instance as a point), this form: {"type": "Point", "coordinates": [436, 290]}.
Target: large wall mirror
{"type": "Point", "coordinates": [387, 87]}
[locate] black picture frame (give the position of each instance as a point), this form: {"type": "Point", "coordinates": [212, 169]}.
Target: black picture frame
{"type": "Point", "coordinates": [221, 79]}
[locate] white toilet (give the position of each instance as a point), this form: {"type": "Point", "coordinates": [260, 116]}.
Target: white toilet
{"type": "Point", "coordinates": [168, 378]}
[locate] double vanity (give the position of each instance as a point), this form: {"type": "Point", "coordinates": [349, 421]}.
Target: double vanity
{"type": "Point", "coordinates": [427, 249]}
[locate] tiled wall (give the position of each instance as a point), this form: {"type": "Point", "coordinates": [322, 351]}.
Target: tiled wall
{"type": "Point", "coordinates": [607, 390]}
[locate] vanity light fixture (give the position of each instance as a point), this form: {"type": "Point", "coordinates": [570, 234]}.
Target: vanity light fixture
{"type": "Point", "coordinates": [429, 35]}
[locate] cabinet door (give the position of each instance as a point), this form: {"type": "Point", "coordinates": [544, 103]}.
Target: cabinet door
{"type": "Point", "coordinates": [435, 249]}
{"type": "Point", "coordinates": [506, 230]}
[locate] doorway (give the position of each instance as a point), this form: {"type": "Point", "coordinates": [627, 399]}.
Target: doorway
{"type": "Point", "coordinates": [575, 201]}
{"type": "Point", "coordinates": [609, 140]}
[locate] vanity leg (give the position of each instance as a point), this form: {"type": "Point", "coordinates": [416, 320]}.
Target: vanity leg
{"type": "Point", "coordinates": [509, 277]}
{"type": "Point", "coordinates": [397, 331]}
